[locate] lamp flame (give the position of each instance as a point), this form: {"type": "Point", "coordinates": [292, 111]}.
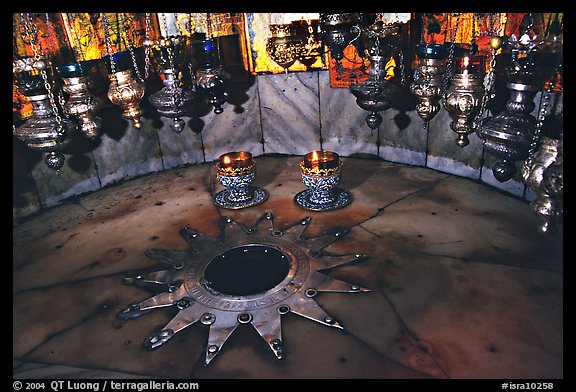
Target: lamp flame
{"type": "Point", "coordinates": [315, 157]}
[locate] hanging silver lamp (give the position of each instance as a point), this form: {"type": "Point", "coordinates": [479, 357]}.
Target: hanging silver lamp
{"type": "Point", "coordinates": [173, 101]}
{"type": "Point", "coordinates": [47, 131]}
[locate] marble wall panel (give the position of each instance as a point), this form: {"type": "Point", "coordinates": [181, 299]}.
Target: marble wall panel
{"type": "Point", "coordinates": [289, 110]}
{"type": "Point", "coordinates": [343, 127]}
{"type": "Point", "coordinates": [24, 194]}
{"type": "Point", "coordinates": [238, 127]}
{"type": "Point", "coordinates": [179, 149]}
{"type": "Point", "coordinates": [268, 113]}
{"type": "Point", "coordinates": [77, 176]}
{"type": "Point", "coordinates": [442, 143]}
{"type": "Point", "coordinates": [402, 137]}
{"type": "Point", "coordinates": [126, 152]}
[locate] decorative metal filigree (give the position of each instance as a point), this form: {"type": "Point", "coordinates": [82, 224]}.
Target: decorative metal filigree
{"type": "Point", "coordinates": [190, 285]}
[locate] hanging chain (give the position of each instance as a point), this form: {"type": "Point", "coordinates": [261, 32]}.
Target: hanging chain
{"type": "Point", "coordinates": [402, 71]}
{"type": "Point", "coordinates": [168, 48]}
{"type": "Point", "coordinates": [491, 77]}
{"type": "Point", "coordinates": [208, 25]}
{"type": "Point", "coordinates": [32, 33]}
{"type": "Point", "coordinates": [78, 45]}
{"type": "Point", "coordinates": [147, 48]}
{"type": "Point", "coordinates": [130, 48]}
{"type": "Point", "coordinates": [50, 33]}
{"type": "Point", "coordinates": [192, 76]}
{"type": "Point", "coordinates": [544, 109]}
{"type": "Point", "coordinates": [448, 73]}
{"type": "Point", "coordinates": [108, 43]}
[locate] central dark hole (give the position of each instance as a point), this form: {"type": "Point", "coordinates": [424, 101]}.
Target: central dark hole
{"type": "Point", "coordinates": [246, 270]}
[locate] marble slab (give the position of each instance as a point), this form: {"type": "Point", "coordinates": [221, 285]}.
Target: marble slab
{"type": "Point", "coordinates": [289, 111]}
{"type": "Point", "coordinates": [343, 127]}
{"type": "Point", "coordinates": [24, 195]}
{"type": "Point", "coordinates": [126, 152]}
{"type": "Point", "coordinates": [465, 161]}
{"type": "Point", "coordinates": [238, 127]}
{"type": "Point", "coordinates": [463, 284]}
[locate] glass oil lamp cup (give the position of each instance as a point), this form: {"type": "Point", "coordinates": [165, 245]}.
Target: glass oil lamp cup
{"type": "Point", "coordinates": [321, 172]}
{"type": "Point", "coordinates": [464, 97]}
{"type": "Point", "coordinates": [236, 172]}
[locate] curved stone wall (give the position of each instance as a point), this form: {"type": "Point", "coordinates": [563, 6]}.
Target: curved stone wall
{"type": "Point", "coordinates": [266, 114]}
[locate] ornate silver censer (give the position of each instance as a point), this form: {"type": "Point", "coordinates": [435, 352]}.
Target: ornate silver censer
{"type": "Point", "coordinates": [81, 103]}
{"type": "Point", "coordinates": [463, 98]}
{"type": "Point", "coordinates": [124, 90]}
{"type": "Point", "coordinates": [429, 80]}
{"type": "Point", "coordinates": [380, 41]}
{"type": "Point", "coordinates": [511, 134]}
{"type": "Point", "coordinates": [173, 100]}
{"type": "Point", "coordinates": [321, 172]}
{"type": "Point", "coordinates": [47, 131]}
{"type": "Point", "coordinates": [246, 276]}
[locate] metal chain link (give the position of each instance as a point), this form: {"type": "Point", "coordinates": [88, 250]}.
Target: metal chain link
{"type": "Point", "coordinates": [448, 73]}
{"type": "Point", "coordinates": [168, 49]}
{"type": "Point", "coordinates": [543, 112]}
{"type": "Point", "coordinates": [208, 25]}
{"type": "Point", "coordinates": [108, 43]}
{"type": "Point", "coordinates": [489, 92]}
{"type": "Point", "coordinates": [192, 76]}
{"type": "Point", "coordinates": [61, 99]}
{"type": "Point", "coordinates": [147, 47]}
{"type": "Point", "coordinates": [130, 48]}
{"type": "Point", "coordinates": [402, 71]}
{"type": "Point", "coordinates": [32, 33]}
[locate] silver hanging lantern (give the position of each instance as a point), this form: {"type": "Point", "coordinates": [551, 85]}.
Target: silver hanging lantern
{"type": "Point", "coordinates": [173, 100]}
{"type": "Point", "coordinates": [429, 79]}
{"type": "Point", "coordinates": [211, 80]}
{"type": "Point", "coordinates": [463, 98]}
{"type": "Point", "coordinates": [47, 131]}
{"type": "Point", "coordinates": [513, 134]}
{"type": "Point", "coordinates": [124, 90]}
{"type": "Point", "coordinates": [377, 92]}
{"type": "Point", "coordinates": [509, 135]}
{"type": "Point", "coordinates": [81, 103]}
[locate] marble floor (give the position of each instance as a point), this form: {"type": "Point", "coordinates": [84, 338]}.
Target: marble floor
{"type": "Point", "coordinates": [462, 284]}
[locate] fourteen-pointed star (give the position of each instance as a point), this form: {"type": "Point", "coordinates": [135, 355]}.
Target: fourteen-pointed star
{"type": "Point", "coordinates": [244, 276]}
